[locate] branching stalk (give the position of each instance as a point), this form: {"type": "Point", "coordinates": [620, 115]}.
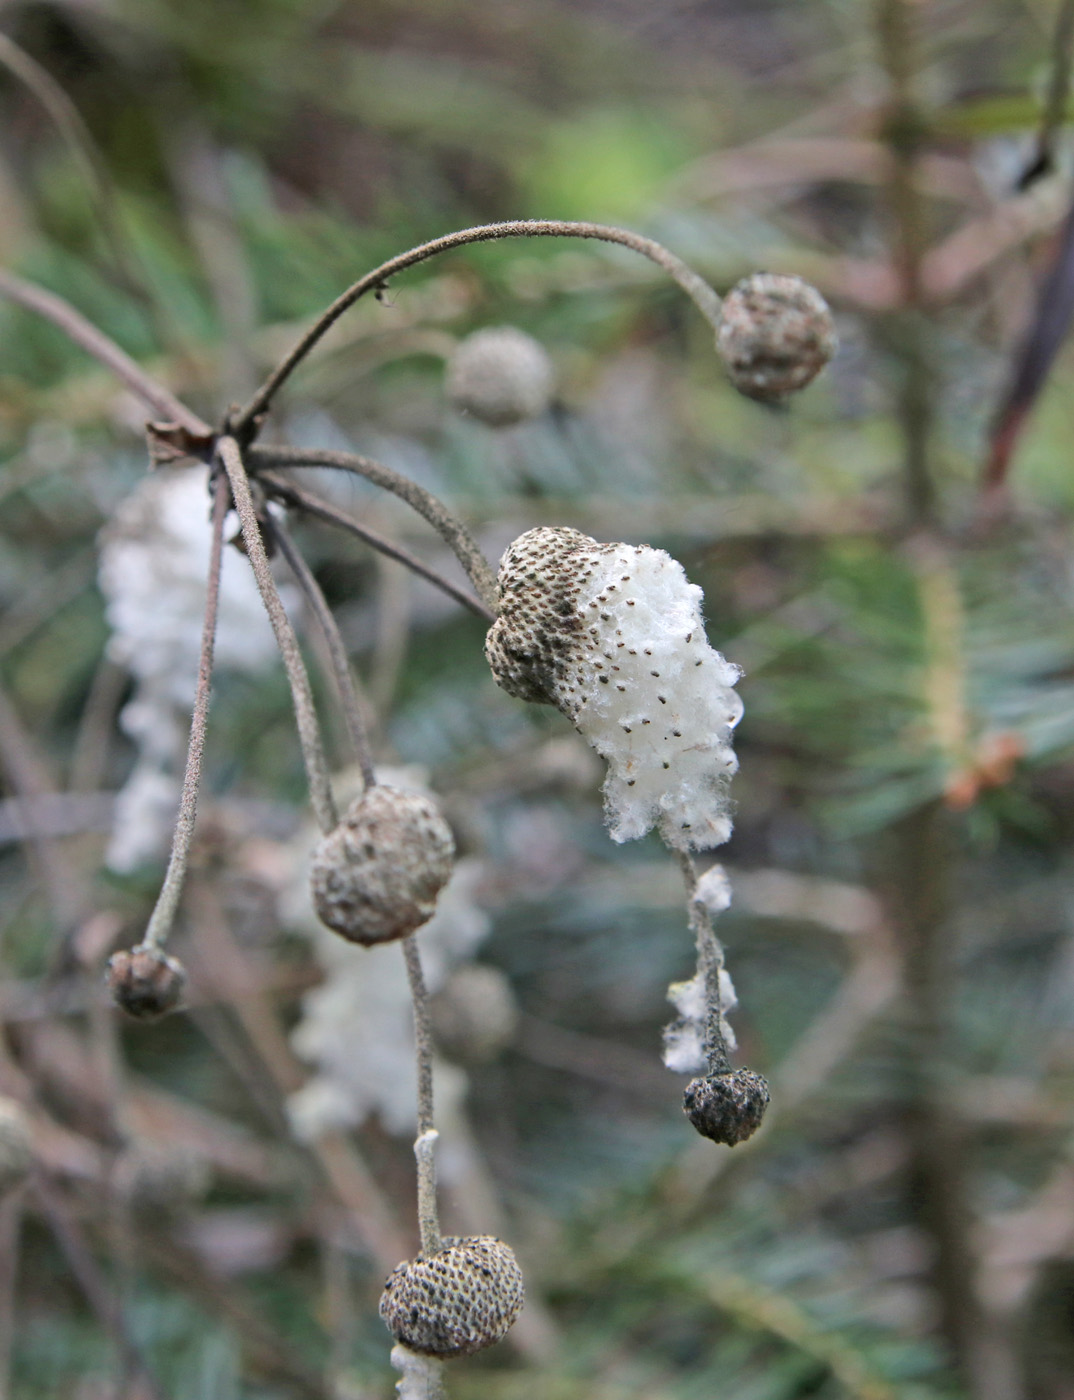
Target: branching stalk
{"type": "Point", "coordinates": [695, 287]}
{"type": "Point", "coordinates": [281, 489]}
{"type": "Point", "coordinates": [163, 916]}
{"type": "Point", "coordinates": [309, 736]}
{"type": "Point", "coordinates": [348, 695]}
{"type": "Point", "coordinates": [451, 530]}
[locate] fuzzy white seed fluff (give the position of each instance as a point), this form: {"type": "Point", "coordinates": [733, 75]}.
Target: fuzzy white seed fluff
{"type": "Point", "coordinates": [684, 1039]}
{"type": "Point", "coordinates": [663, 719]}
{"type": "Point", "coordinates": [612, 634]}
{"type": "Point", "coordinates": [712, 893]}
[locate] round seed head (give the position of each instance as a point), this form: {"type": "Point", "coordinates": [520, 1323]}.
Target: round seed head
{"type": "Point", "coordinates": [727, 1107]}
{"type": "Point", "coordinates": [145, 981]}
{"type": "Point", "coordinates": [160, 1178]}
{"type": "Point", "coordinates": [501, 375]}
{"type": "Point", "coordinates": [376, 877]}
{"type": "Point", "coordinates": [16, 1145]}
{"type": "Point", "coordinates": [474, 1014]}
{"type": "Point", "coordinates": [776, 335]}
{"type": "Point", "coordinates": [457, 1301]}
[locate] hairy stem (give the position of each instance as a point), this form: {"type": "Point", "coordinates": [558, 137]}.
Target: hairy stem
{"type": "Point", "coordinates": [709, 965]}
{"type": "Point", "coordinates": [348, 695]}
{"type": "Point", "coordinates": [424, 1147]}
{"type": "Point", "coordinates": [163, 916]}
{"type": "Point", "coordinates": [103, 349]}
{"type": "Point", "coordinates": [309, 736]}
{"type": "Point", "coordinates": [695, 287]}
{"type": "Point", "coordinates": [451, 530]}
{"type": "Point", "coordinates": [281, 489]}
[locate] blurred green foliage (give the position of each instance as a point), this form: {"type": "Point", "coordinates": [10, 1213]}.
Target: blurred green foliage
{"type": "Point", "coordinates": [260, 156]}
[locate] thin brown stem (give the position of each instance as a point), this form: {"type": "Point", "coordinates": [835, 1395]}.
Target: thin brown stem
{"type": "Point", "coordinates": [163, 915]}
{"type": "Point", "coordinates": [424, 1146]}
{"type": "Point", "coordinates": [451, 530]}
{"type": "Point", "coordinates": [103, 349]}
{"type": "Point", "coordinates": [348, 694]}
{"type": "Point", "coordinates": [309, 735]}
{"type": "Point", "coordinates": [695, 287]}
{"type": "Point", "coordinates": [280, 488]}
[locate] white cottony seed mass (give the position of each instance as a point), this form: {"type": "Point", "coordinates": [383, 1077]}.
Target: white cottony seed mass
{"type": "Point", "coordinates": [612, 635]}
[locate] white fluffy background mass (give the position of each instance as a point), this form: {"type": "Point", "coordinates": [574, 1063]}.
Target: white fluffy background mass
{"type": "Point", "coordinates": [154, 562]}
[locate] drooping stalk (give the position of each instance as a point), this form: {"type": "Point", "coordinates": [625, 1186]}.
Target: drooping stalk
{"type": "Point", "coordinates": [348, 695]}
{"type": "Point", "coordinates": [309, 734]}
{"type": "Point", "coordinates": [280, 488]}
{"type": "Point", "coordinates": [709, 965]}
{"type": "Point", "coordinates": [425, 1144]}
{"type": "Point", "coordinates": [163, 915]}
{"type": "Point", "coordinates": [695, 287]}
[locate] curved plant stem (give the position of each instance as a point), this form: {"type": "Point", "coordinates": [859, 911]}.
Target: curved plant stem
{"type": "Point", "coordinates": [163, 916]}
{"type": "Point", "coordinates": [424, 1147]}
{"type": "Point", "coordinates": [284, 490]}
{"type": "Point", "coordinates": [709, 965]}
{"type": "Point", "coordinates": [695, 287]}
{"type": "Point", "coordinates": [348, 695]}
{"type": "Point", "coordinates": [103, 349]}
{"type": "Point", "coordinates": [324, 807]}
{"type": "Point", "coordinates": [451, 530]}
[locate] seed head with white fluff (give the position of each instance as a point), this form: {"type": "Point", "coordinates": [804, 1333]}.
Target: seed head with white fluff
{"type": "Point", "coordinates": [612, 635]}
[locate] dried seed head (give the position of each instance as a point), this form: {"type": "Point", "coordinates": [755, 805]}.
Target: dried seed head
{"type": "Point", "coordinates": [158, 1177]}
{"type": "Point", "coordinates": [612, 635]}
{"type": "Point", "coordinates": [727, 1107]}
{"type": "Point", "coordinates": [457, 1301]}
{"type": "Point", "coordinates": [500, 375]}
{"type": "Point", "coordinates": [376, 877]}
{"type": "Point", "coordinates": [16, 1145]}
{"type": "Point", "coordinates": [474, 1015]}
{"type": "Point", "coordinates": [776, 335]}
{"type": "Point", "coordinates": [145, 981]}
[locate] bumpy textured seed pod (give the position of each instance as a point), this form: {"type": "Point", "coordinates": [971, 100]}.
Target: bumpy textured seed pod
{"type": "Point", "coordinates": [16, 1145]}
{"type": "Point", "coordinates": [776, 335]}
{"type": "Point", "coordinates": [727, 1107]}
{"type": "Point", "coordinates": [612, 635]}
{"type": "Point", "coordinates": [474, 1015]}
{"type": "Point", "coordinates": [376, 877]}
{"type": "Point", "coordinates": [145, 981]}
{"type": "Point", "coordinates": [500, 375]}
{"type": "Point", "coordinates": [457, 1301]}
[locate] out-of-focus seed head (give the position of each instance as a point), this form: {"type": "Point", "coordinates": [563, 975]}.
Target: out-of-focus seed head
{"type": "Point", "coordinates": [145, 981]}
{"type": "Point", "coordinates": [160, 1177]}
{"type": "Point", "coordinates": [16, 1145]}
{"type": "Point", "coordinates": [474, 1015]}
{"type": "Point", "coordinates": [376, 877]}
{"type": "Point", "coordinates": [457, 1301]}
{"type": "Point", "coordinates": [500, 375]}
{"type": "Point", "coordinates": [727, 1107]}
{"type": "Point", "coordinates": [776, 335]}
